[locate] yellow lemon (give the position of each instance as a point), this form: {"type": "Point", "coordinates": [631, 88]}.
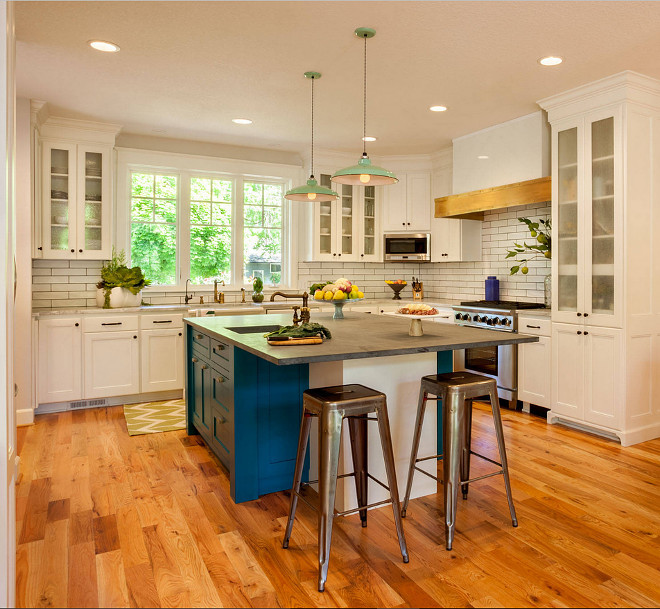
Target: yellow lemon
{"type": "Point", "coordinates": [339, 295]}
{"type": "Point", "coordinates": [327, 295]}
{"type": "Point", "coordinates": [318, 295]}
{"type": "Point", "coordinates": [360, 294]}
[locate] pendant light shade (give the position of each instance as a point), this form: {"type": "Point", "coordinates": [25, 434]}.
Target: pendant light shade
{"type": "Point", "coordinates": [312, 191]}
{"type": "Point", "coordinates": [364, 173]}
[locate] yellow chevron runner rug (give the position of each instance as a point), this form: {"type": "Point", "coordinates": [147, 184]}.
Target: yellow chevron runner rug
{"type": "Point", "coordinates": [155, 417]}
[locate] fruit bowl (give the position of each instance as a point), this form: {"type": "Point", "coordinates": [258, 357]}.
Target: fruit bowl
{"type": "Point", "coordinates": [396, 286]}
{"type": "Point", "coordinates": [339, 306]}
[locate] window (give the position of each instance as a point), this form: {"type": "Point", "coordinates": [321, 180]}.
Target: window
{"type": "Point", "coordinates": [262, 240]}
{"type": "Point", "coordinates": [206, 227]}
{"type": "Point", "coordinates": [210, 230]}
{"type": "Point", "coordinates": [153, 226]}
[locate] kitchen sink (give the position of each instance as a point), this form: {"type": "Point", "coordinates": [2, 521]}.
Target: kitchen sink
{"type": "Point", "coordinates": [253, 329]}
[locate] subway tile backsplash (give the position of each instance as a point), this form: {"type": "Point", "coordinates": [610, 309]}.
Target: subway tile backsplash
{"type": "Point", "coordinates": [452, 280]}
{"type": "Point", "coordinates": [72, 284]}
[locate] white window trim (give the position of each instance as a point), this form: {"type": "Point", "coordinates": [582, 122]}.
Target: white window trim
{"type": "Point", "coordinates": [185, 166]}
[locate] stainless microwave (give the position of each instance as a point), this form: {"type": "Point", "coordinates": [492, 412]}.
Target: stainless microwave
{"type": "Point", "coordinates": [411, 247]}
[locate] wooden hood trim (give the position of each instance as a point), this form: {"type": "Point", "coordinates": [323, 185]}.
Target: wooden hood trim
{"type": "Point", "coordinates": [471, 205]}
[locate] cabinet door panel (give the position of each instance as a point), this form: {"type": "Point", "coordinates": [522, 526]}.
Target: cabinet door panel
{"type": "Point", "coordinates": [394, 206]}
{"type": "Point", "coordinates": [325, 225]}
{"type": "Point", "coordinates": [60, 360]}
{"type": "Point", "coordinates": [418, 202]}
{"type": "Point", "coordinates": [201, 403]}
{"type": "Point", "coordinates": [112, 365]}
{"type": "Point", "coordinates": [568, 370]}
{"type": "Point", "coordinates": [603, 376]}
{"type": "Point", "coordinates": [534, 372]}
{"type": "Point", "coordinates": [369, 225]}
{"type": "Point", "coordinates": [162, 360]}
{"type": "Point", "coordinates": [58, 200]}
{"type": "Point", "coordinates": [347, 233]}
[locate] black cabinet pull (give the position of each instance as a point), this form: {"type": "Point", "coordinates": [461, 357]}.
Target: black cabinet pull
{"type": "Point", "coordinates": [338, 254]}
{"type": "Point", "coordinates": [579, 331]}
{"type": "Point", "coordinates": [579, 314]}
{"type": "Point", "coordinates": [334, 254]}
{"type": "Point", "coordinates": [586, 333]}
{"type": "Point", "coordinates": [586, 315]}
{"type": "Point", "coordinates": [80, 251]}
{"type": "Point", "coordinates": [362, 255]}
{"type": "Point", "coordinates": [408, 223]}
{"type": "Point", "coordinates": [167, 321]}
{"type": "Point", "coordinates": [135, 336]}
{"type": "Point", "coordinates": [180, 334]}
{"type": "Point", "coordinates": [536, 327]}
{"type": "Point", "coordinates": [40, 248]}
{"type": "Point", "coordinates": [77, 324]}
{"type": "Point", "coordinates": [73, 251]}
{"type": "Point", "coordinates": [113, 323]}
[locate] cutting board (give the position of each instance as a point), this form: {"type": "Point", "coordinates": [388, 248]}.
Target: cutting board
{"type": "Point", "coordinates": [291, 342]}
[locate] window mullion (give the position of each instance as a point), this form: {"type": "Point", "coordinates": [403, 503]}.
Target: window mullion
{"type": "Point", "coordinates": [184, 229]}
{"type": "Point", "coordinates": [238, 231]}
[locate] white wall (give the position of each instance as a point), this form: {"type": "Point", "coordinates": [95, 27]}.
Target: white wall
{"type": "Point", "coordinates": [23, 305]}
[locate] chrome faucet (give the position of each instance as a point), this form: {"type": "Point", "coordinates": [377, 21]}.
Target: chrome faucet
{"type": "Point", "coordinates": [304, 296]}
{"type": "Point", "coordinates": [218, 296]}
{"type": "Point", "coordinates": [188, 298]}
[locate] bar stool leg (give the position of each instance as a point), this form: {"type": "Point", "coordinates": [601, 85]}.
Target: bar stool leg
{"type": "Point", "coordinates": [453, 407]}
{"type": "Point", "coordinates": [329, 443]}
{"type": "Point", "coordinates": [357, 428]}
{"type": "Point", "coordinates": [499, 432]}
{"type": "Point", "coordinates": [297, 476]}
{"type": "Point", "coordinates": [390, 469]}
{"type": "Point", "coordinates": [419, 421]}
{"type": "Point", "coordinates": [467, 447]}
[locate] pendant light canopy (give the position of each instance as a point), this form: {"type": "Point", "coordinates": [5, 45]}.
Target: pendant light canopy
{"type": "Point", "coordinates": [364, 173]}
{"type": "Point", "coordinates": [312, 191]}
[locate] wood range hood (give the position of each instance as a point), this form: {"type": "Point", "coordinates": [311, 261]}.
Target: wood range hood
{"type": "Point", "coordinates": [472, 205]}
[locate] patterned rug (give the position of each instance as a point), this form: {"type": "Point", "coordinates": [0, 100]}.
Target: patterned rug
{"type": "Point", "coordinates": [154, 417]}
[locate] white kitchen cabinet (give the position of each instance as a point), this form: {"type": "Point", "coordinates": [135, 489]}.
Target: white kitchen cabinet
{"type": "Point", "coordinates": [587, 380]}
{"type": "Point", "coordinates": [407, 204]}
{"type": "Point", "coordinates": [455, 240]}
{"type": "Point", "coordinates": [60, 360]}
{"type": "Point", "coordinates": [535, 362]}
{"type": "Point", "coordinates": [605, 268]}
{"type": "Point", "coordinates": [348, 229]}
{"type": "Point", "coordinates": [75, 201]}
{"type": "Point", "coordinates": [112, 363]}
{"type": "Point", "coordinates": [162, 359]}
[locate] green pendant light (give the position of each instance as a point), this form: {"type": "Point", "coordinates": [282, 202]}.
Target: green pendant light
{"type": "Point", "coordinates": [312, 191]}
{"type": "Point", "coordinates": [364, 173]}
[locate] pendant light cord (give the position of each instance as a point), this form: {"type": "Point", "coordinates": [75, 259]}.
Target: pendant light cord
{"type": "Point", "coordinates": [313, 79]}
{"type": "Point", "coordinates": [364, 113]}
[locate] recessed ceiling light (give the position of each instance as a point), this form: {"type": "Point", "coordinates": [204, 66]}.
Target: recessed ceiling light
{"type": "Point", "coordinates": [551, 60]}
{"type": "Point", "coordinates": [369, 138]}
{"type": "Point", "coordinates": [241, 121]}
{"type": "Point", "coordinates": [104, 45]}
{"type": "Point", "coordinates": [483, 156]}
{"type": "Point", "coordinates": [438, 108]}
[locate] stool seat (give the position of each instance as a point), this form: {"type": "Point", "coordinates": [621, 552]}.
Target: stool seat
{"type": "Point", "coordinates": [456, 390]}
{"type": "Point", "coordinates": [332, 405]}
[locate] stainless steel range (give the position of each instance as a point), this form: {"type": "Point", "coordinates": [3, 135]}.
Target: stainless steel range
{"type": "Point", "coordinates": [500, 363]}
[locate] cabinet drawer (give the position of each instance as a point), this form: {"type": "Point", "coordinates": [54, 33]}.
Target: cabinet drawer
{"type": "Point", "coordinates": [222, 436]}
{"type": "Point", "coordinates": [161, 322]}
{"type": "Point", "coordinates": [201, 344]}
{"type": "Point", "coordinates": [537, 327]}
{"type": "Point", "coordinates": [110, 323]}
{"type": "Point", "coordinates": [222, 354]}
{"type": "Point", "coordinates": [222, 392]}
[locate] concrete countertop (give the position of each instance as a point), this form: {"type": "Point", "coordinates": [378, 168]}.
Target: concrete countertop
{"type": "Point", "coordinates": [358, 336]}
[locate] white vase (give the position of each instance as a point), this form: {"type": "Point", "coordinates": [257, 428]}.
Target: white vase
{"type": "Point", "coordinates": [119, 298]}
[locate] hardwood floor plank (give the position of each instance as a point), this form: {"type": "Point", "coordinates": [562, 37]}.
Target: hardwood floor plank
{"type": "Point", "coordinates": [105, 519]}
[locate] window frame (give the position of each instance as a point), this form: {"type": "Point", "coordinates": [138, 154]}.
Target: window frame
{"type": "Point", "coordinates": [186, 167]}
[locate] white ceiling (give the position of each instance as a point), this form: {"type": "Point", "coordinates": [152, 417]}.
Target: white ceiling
{"type": "Point", "coordinates": [188, 68]}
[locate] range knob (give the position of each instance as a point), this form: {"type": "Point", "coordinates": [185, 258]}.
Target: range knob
{"type": "Point", "coordinates": [496, 321]}
{"type": "Point", "coordinates": [489, 321]}
{"type": "Point", "coordinates": [476, 318]}
{"type": "Point", "coordinates": [506, 321]}
{"type": "Point", "coordinates": [458, 316]}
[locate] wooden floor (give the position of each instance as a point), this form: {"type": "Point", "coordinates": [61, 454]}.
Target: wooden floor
{"type": "Point", "coordinates": [112, 521]}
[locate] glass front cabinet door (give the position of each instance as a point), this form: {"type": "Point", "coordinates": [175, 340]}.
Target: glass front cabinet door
{"type": "Point", "coordinates": [587, 206]}
{"type": "Point", "coordinates": [75, 201]}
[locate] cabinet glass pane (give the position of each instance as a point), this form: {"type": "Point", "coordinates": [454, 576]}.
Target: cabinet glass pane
{"type": "Point", "coordinates": [325, 219]}
{"type": "Point", "coordinates": [346, 219]}
{"type": "Point", "coordinates": [59, 199]}
{"type": "Point", "coordinates": [369, 220]}
{"type": "Point", "coordinates": [566, 248]}
{"type": "Point", "coordinates": [93, 200]}
{"type": "Point", "coordinates": [602, 214]}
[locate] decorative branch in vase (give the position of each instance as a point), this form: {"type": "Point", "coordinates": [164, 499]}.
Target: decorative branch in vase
{"type": "Point", "coordinates": [542, 248]}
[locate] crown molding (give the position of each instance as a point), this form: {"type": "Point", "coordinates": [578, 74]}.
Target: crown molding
{"type": "Point", "coordinates": [83, 125]}
{"type": "Point", "coordinates": [39, 112]}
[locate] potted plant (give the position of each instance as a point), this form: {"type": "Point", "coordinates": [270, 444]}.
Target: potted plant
{"type": "Point", "coordinates": [120, 286]}
{"type": "Point", "coordinates": [257, 286]}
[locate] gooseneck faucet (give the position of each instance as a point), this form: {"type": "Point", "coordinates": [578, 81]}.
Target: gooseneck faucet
{"type": "Point", "coordinates": [304, 296]}
{"type": "Point", "coordinates": [188, 298]}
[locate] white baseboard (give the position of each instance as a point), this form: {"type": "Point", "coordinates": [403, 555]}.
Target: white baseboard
{"type": "Point", "coordinates": [24, 416]}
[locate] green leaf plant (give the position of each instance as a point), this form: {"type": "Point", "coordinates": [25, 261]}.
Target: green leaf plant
{"type": "Point", "coordinates": [115, 274]}
{"type": "Point", "coordinates": [541, 232]}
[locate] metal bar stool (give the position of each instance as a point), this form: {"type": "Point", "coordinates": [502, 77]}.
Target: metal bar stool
{"type": "Point", "coordinates": [332, 405]}
{"type": "Point", "coordinates": [457, 390]}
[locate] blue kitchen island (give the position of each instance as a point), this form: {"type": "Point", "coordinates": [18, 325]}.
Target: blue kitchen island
{"type": "Point", "coordinates": [245, 397]}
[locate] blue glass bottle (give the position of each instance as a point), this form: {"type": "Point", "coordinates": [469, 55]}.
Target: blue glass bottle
{"type": "Point", "coordinates": [492, 288]}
